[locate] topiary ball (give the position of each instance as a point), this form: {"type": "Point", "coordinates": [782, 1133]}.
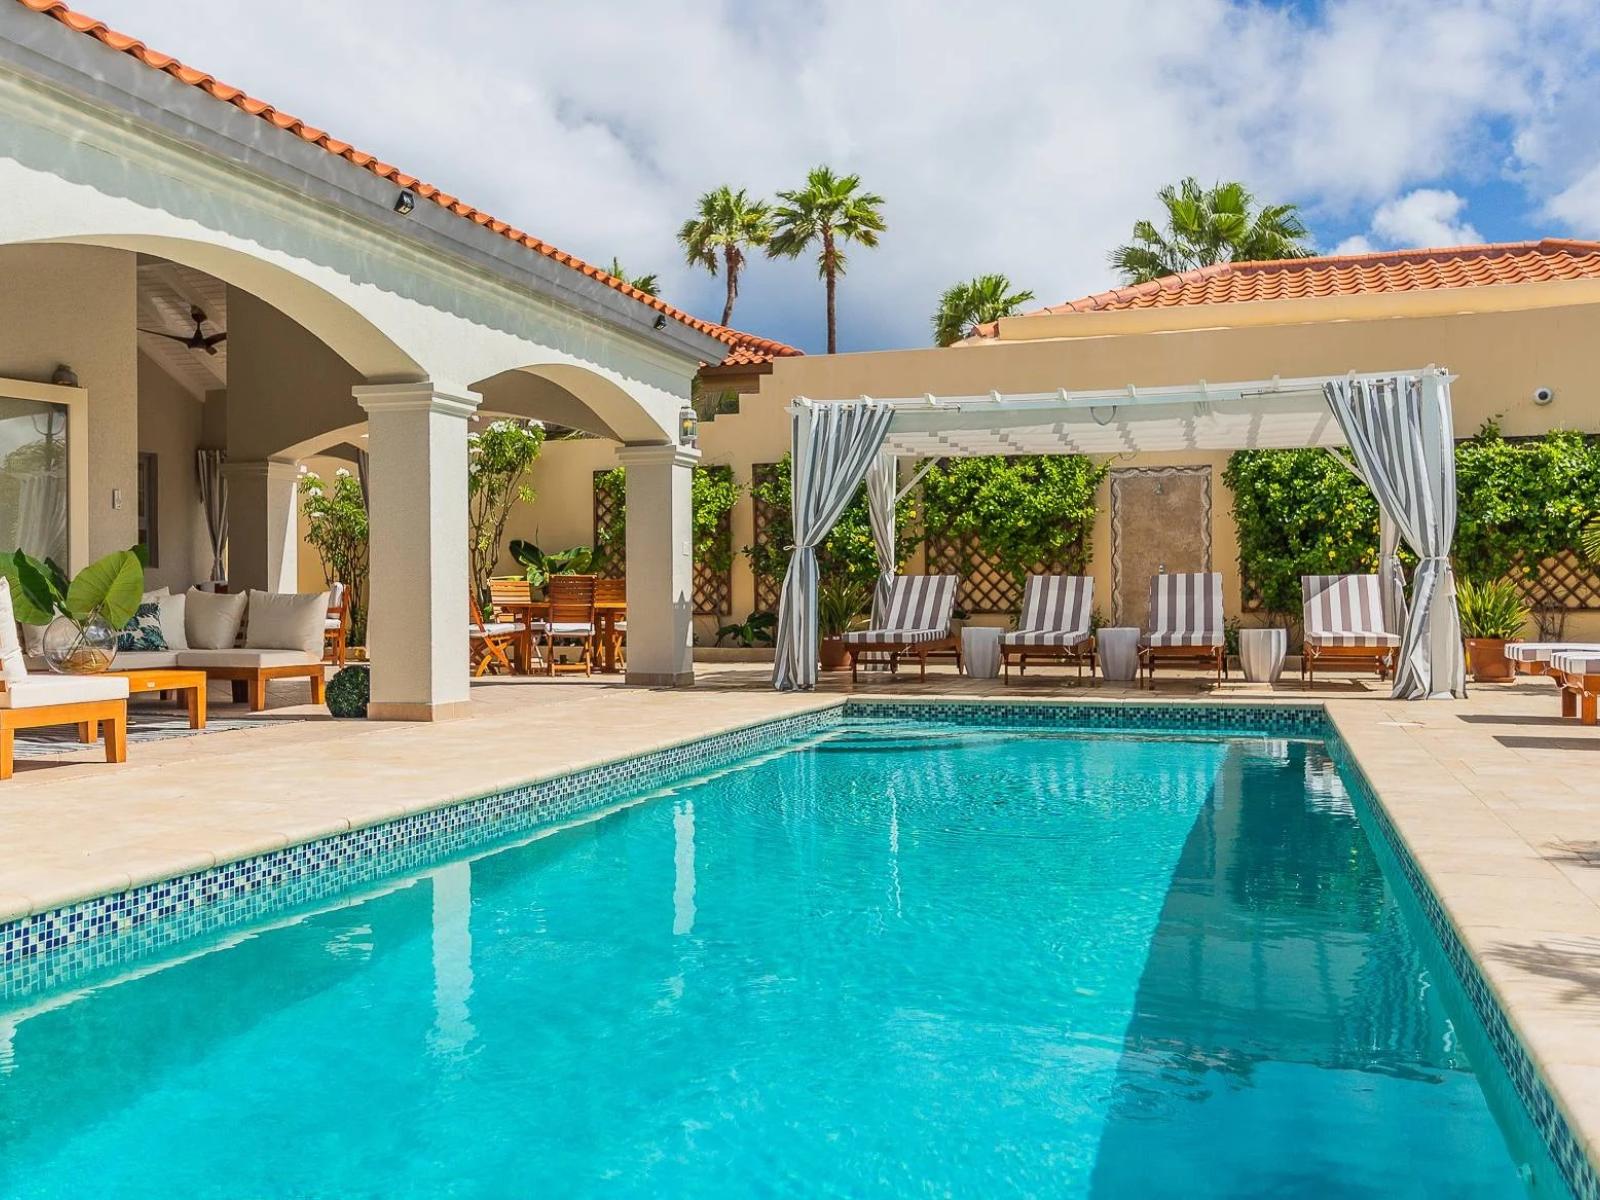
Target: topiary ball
{"type": "Point", "coordinates": [348, 691]}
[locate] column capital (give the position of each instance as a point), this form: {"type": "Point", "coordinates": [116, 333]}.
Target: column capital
{"type": "Point", "coordinates": [421, 396]}
{"type": "Point", "coordinates": [261, 468]}
{"type": "Point", "coordinates": [661, 455]}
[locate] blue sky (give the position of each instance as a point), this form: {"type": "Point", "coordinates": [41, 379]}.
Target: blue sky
{"type": "Point", "coordinates": [1024, 138]}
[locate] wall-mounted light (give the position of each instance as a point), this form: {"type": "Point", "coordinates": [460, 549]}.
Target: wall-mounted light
{"type": "Point", "coordinates": [1543, 395]}
{"type": "Point", "coordinates": [64, 376]}
{"type": "Point", "coordinates": [688, 426]}
{"type": "Point", "coordinates": [405, 202]}
{"type": "Point", "coordinates": [661, 321]}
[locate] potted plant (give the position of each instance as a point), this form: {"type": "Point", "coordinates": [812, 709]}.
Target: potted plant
{"type": "Point", "coordinates": [839, 602]}
{"type": "Point", "coordinates": [539, 566]}
{"type": "Point", "coordinates": [82, 616]}
{"type": "Point", "coordinates": [1492, 614]}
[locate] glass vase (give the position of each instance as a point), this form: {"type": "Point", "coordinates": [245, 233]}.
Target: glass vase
{"type": "Point", "coordinates": [73, 647]}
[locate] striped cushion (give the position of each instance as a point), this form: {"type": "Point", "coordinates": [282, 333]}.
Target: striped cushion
{"type": "Point", "coordinates": [1045, 637]}
{"type": "Point", "coordinates": [1532, 652]}
{"type": "Point", "coordinates": [1056, 604]}
{"type": "Point", "coordinates": [906, 637]}
{"type": "Point", "coordinates": [1576, 663]}
{"type": "Point", "coordinates": [1356, 639]}
{"type": "Point", "coordinates": [1344, 606]}
{"type": "Point", "coordinates": [1186, 610]}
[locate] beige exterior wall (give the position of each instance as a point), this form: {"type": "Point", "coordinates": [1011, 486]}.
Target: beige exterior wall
{"type": "Point", "coordinates": [169, 427]}
{"type": "Point", "coordinates": [75, 305]}
{"type": "Point", "coordinates": [1500, 358]}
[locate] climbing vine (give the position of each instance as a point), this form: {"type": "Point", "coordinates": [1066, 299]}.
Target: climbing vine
{"type": "Point", "coordinates": [1526, 500]}
{"type": "Point", "coordinates": [713, 493]}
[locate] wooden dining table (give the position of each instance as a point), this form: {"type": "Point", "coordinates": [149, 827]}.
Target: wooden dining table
{"type": "Point", "coordinates": [526, 612]}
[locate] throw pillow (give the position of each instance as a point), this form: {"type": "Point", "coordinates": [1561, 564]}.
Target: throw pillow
{"type": "Point", "coordinates": [211, 619]}
{"type": "Point", "coordinates": [144, 631]}
{"type": "Point", "coordinates": [172, 615]}
{"type": "Point", "coordinates": [12, 668]}
{"type": "Point", "coordinates": [287, 621]}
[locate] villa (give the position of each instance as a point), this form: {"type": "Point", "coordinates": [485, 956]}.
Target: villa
{"type": "Point", "coordinates": [1057, 903]}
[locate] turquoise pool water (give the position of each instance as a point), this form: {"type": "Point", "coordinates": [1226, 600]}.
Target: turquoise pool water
{"type": "Point", "coordinates": [888, 961]}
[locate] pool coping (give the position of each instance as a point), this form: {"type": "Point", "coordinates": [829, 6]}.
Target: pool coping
{"type": "Point", "coordinates": [52, 947]}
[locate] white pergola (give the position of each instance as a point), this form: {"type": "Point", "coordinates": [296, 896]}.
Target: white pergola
{"type": "Point", "coordinates": [1396, 426]}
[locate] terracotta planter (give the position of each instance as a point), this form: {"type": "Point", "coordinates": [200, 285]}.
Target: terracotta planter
{"type": "Point", "coordinates": [832, 654]}
{"type": "Point", "coordinates": [1486, 659]}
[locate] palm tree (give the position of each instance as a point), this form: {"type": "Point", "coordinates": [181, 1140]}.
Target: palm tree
{"type": "Point", "coordinates": [1210, 225]}
{"type": "Point", "coordinates": [645, 283]}
{"type": "Point", "coordinates": [828, 212]}
{"type": "Point", "coordinates": [726, 223]}
{"type": "Point", "coordinates": [977, 301]}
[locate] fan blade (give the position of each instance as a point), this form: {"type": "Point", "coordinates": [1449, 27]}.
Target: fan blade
{"type": "Point", "coordinates": [209, 349]}
{"type": "Point", "coordinates": [170, 336]}
{"type": "Point", "coordinates": [216, 339]}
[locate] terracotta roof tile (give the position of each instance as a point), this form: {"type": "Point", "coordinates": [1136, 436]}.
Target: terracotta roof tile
{"type": "Point", "coordinates": [1348, 275]}
{"type": "Point", "coordinates": [738, 341]}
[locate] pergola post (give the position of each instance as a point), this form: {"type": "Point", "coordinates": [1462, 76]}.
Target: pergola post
{"type": "Point", "coordinates": [417, 623]}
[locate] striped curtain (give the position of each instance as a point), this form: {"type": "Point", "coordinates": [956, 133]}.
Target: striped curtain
{"type": "Point", "coordinates": [883, 479]}
{"type": "Point", "coordinates": [833, 448]}
{"type": "Point", "coordinates": [214, 500]}
{"type": "Point", "coordinates": [1402, 438]}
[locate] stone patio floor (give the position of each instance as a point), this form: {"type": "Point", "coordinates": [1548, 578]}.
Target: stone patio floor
{"type": "Point", "coordinates": [1498, 799]}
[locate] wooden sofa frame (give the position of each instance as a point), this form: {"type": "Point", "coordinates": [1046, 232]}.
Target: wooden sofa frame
{"type": "Point", "coordinates": [85, 714]}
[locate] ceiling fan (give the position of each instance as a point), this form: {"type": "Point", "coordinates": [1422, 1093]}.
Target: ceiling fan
{"type": "Point", "coordinates": [198, 340]}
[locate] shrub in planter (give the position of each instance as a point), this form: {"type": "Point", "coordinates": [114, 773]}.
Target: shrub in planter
{"type": "Point", "coordinates": [348, 691]}
{"type": "Point", "coordinates": [840, 601]}
{"type": "Point", "coordinates": [1492, 614]}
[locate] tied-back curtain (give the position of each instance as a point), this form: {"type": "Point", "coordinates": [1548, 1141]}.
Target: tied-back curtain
{"type": "Point", "coordinates": [883, 480]}
{"type": "Point", "coordinates": [214, 500]}
{"type": "Point", "coordinates": [1391, 574]}
{"type": "Point", "coordinates": [833, 448]}
{"type": "Point", "coordinates": [1401, 437]}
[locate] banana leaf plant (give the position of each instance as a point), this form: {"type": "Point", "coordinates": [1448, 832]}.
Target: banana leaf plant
{"type": "Point", "coordinates": [109, 588]}
{"type": "Point", "coordinates": [540, 566]}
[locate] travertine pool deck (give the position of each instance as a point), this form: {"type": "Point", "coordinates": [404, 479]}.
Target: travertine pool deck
{"type": "Point", "coordinates": [1497, 798]}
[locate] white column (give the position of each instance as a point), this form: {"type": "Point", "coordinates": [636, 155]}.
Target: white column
{"type": "Point", "coordinates": [263, 529]}
{"type": "Point", "coordinates": [660, 565]}
{"type": "Point", "coordinates": [417, 597]}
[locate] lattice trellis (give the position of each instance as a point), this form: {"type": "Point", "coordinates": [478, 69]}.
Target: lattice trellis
{"type": "Point", "coordinates": [713, 590]}
{"type": "Point", "coordinates": [767, 528]}
{"type": "Point", "coordinates": [1564, 582]}
{"type": "Point", "coordinates": [985, 588]}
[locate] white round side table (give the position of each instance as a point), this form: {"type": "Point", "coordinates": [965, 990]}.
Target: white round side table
{"type": "Point", "coordinates": [1261, 653]}
{"type": "Point", "coordinates": [1118, 648]}
{"type": "Point", "coordinates": [980, 650]}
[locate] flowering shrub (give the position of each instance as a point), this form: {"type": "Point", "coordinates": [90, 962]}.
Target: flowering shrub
{"type": "Point", "coordinates": [498, 458]}
{"type": "Point", "coordinates": [336, 525]}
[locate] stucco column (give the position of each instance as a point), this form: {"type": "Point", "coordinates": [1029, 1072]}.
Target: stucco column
{"type": "Point", "coordinates": [263, 531]}
{"type": "Point", "coordinates": [417, 622]}
{"type": "Point", "coordinates": [660, 565]}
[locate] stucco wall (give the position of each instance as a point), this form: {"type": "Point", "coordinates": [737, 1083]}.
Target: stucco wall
{"type": "Point", "coordinates": [169, 427]}
{"type": "Point", "coordinates": [75, 305]}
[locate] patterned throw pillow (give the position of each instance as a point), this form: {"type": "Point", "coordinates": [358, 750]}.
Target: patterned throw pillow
{"type": "Point", "coordinates": [144, 631]}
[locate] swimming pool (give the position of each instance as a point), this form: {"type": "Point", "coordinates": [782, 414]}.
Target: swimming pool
{"type": "Point", "coordinates": [890, 957]}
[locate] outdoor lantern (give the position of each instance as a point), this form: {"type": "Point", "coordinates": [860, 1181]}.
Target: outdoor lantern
{"type": "Point", "coordinates": [688, 427]}
{"type": "Point", "coordinates": [405, 201]}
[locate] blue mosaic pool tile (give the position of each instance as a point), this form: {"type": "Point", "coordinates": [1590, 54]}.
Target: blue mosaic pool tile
{"type": "Point", "coordinates": [1565, 1147]}
{"type": "Point", "coordinates": [1295, 720]}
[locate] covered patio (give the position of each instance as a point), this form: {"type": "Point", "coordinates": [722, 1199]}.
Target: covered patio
{"type": "Point", "coordinates": [1395, 426]}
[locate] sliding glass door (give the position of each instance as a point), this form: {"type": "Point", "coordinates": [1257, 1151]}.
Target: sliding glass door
{"type": "Point", "coordinates": [33, 478]}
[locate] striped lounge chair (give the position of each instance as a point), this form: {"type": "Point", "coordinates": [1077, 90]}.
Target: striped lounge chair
{"type": "Point", "coordinates": [1185, 623]}
{"type": "Point", "coordinates": [1054, 625]}
{"type": "Point", "coordinates": [1578, 673]}
{"type": "Point", "coordinates": [1344, 622]}
{"type": "Point", "coordinates": [1534, 658]}
{"type": "Point", "coordinates": [916, 621]}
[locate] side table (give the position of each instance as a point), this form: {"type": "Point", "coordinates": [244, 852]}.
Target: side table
{"type": "Point", "coordinates": [1261, 653]}
{"type": "Point", "coordinates": [980, 650]}
{"type": "Point", "coordinates": [1118, 647]}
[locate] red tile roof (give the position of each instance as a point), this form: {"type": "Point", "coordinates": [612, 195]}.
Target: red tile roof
{"type": "Point", "coordinates": [759, 348]}
{"type": "Point", "coordinates": [1349, 275]}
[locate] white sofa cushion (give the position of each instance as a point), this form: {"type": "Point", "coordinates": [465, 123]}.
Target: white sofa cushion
{"type": "Point", "coordinates": [211, 620]}
{"type": "Point", "coordinates": [173, 609]}
{"type": "Point", "coordinates": [286, 621]}
{"type": "Point", "coordinates": [145, 660]}
{"type": "Point", "coordinates": [40, 691]}
{"type": "Point", "coordinates": [199, 660]}
{"type": "Point", "coordinates": [12, 666]}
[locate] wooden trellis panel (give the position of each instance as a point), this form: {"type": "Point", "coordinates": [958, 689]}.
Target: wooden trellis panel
{"type": "Point", "coordinates": [766, 525]}
{"type": "Point", "coordinates": [985, 588]}
{"type": "Point", "coordinates": [1565, 582]}
{"type": "Point", "coordinates": [713, 590]}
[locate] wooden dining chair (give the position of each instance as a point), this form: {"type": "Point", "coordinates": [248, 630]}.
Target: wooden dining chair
{"type": "Point", "coordinates": [614, 626]}
{"type": "Point", "coordinates": [493, 643]}
{"type": "Point", "coordinates": [572, 619]}
{"type": "Point", "coordinates": [336, 626]}
{"type": "Point", "coordinates": [510, 598]}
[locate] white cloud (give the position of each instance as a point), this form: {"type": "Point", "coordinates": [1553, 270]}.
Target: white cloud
{"type": "Point", "coordinates": [1578, 206]}
{"type": "Point", "coordinates": [1356, 244]}
{"type": "Point", "coordinates": [1424, 217]}
{"type": "Point", "coordinates": [1026, 139]}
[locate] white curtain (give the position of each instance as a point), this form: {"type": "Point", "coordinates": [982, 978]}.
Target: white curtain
{"type": "Point", "coordinates": [1402, 438]}
{"type": "Point", "coordinates": [833, 448]}
{"type": "Point", "coordinates": [883, 480]}
{"type": "Point", "coordinates": [1391, 574]}
{"type": "Point", "coordinates": [42, 516]}
{"type": "Point", "coordinates": [214, 500]}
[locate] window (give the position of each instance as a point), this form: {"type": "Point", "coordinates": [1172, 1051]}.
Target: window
{"type": "Point", "coordinates": [33, 478]}
{"type": "Point", "coordinates": [149, 507]}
